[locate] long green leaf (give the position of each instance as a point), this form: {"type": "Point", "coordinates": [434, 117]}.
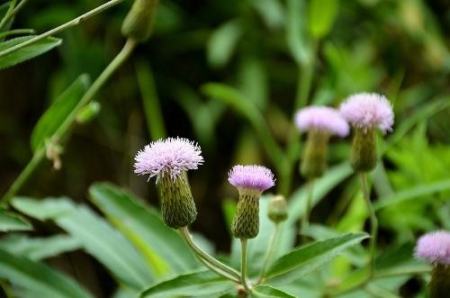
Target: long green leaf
{"type": "Point", "coordinates": [265, 291]}
{"type": "Point", "coordinates": [196, 284]}
{"type": "Point", "coordinates": [334, 176]}
{"type": "Point", "coordinates": [38, 278]}
{"type": "Point", "coordinates": [57, 113]}
{"type": "Point", "coordinates": [222, 43]}
{"type": "Point", "coordinates": [413, 193]}
{"type": "Point", "coordinates": [322, 14]}
{"type": "Point", "coordinates": [143, 226]}
{"type": "Point", "coordinates": [13, 222]}
{"type": "Point", "coordinates": [311, 256]}
{"type": "Point", "coordinates": [97, 237]}
{"type": "Point", "coordinates": [28, 52]}
{"type": "Point", "coordinates": [38, 248]}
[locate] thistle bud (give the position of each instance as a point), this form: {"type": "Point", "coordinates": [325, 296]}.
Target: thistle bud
{"type": "Point", "coordinates": [177, 204]}
{"type": "Point", "coordinates": [250, 181]}
{"type": "Point", "coordinates": [320, 123]}
{"type": "Point", "coordinates": [278, 209]}
{"type": "Point", "coordinates": [367, 112]}
{"type": "Point", "coordinates": [435, 249]}
{"type": "Point", "coordinates": [138, 23]}
{"type": "Point", "coordinates": [169, 160]}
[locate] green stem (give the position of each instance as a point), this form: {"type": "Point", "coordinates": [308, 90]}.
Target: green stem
{"type": "Point", "coordinates": [309, 201]}
{"type": "Point", "coordinates": [15, 32]}
{"type": "Point", "coordinates": [39, 154]}
{"type": "Point", "coordinates": [244, 265]}
{"type": "Point", "coordinates": [269, 254]}
{"type": "Point", "coordinates": [217, 270]}
{"type": "Point", "coordinates": [184, 231]}
{"type": "Point", "coordinates": [8, 14]}
{"type": "Point", "coordinates": [62, 27]}
{"type": "Point", "coordinates": [305, 79]}
{"type": "Point", "coordinates": [373, 223]}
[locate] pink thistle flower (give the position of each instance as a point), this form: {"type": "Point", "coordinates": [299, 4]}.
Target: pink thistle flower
{"type": "Point", "coordinates": [434, 248]}
{"type": "Point", "coordinates": [321, 118]}
{"type": "Point", "coordinates": [251, 177]}
{"type": "Point", "coordinates": [368, 110]}
{"type": "Point", "coordinates": [171, 156]}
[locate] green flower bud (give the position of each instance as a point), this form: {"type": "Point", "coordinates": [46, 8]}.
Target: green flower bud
{"type": "Point", "coordinates": [364, 150]}
{"type": "Point", "coordinates": [440, 281]}
{"type": "Point", "coordinates": [246, 220]}
{"type": "Point", "coordinates": [177, 204]}
{"type": "Point", "coordinates": [138, 24]}
{"type": "Point", "coordinates": [314, 161]}
{"type": "Point", "coordinates": [278, 209]}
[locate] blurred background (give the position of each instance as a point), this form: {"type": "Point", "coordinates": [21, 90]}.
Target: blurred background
{"type": "Point", "coordinates": [231, 74]}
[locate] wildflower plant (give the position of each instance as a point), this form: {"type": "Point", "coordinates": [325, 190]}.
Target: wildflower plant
{"type": "Point", "coordinates": [152, 252]}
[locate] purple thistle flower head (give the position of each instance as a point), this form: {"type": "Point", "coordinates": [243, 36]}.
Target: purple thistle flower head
{"type": "Point", "coordinates": [322, 118]}
{"type": "Point", "coordinates": [368, 110]}
{"type": "Point", "coordinates": [171, 156]}
{"type": "Point", "coordinates": [251, 177]}
{"type": "Point", "coordinates": [434, 248]}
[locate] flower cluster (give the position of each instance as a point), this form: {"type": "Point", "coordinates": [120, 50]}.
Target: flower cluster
{"type": "Point", "coordinates": [321, 118]}
{"type": "Point", "coordinates": [434, 248]}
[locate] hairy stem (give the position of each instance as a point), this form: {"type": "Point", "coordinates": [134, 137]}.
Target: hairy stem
{"type": "Point", "coordinates": [62, 27]}
{"type": "Point", "coordinates": [309, 201]}
{"type": "Point", "coordinates": [373, 223]}
{"type": "Point", "coordinates": [244, 265]}
{"type": "Point", "coordinates": [184, 231]}
{"type": "Point", "coordinates": [39, 154]}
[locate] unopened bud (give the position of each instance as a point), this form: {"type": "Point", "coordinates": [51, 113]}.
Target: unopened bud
{"type": "Point", "coordinates": [440, 281]}
{"type": "Point", "coordinates": [314, 161]}
{"type": "Point", "coordinates": [278, 209]}
{"type": "Point", "coordinates": [138, 24]}
{"type": "Point", "coordinates": [246, 220]}
{"type": "Point", "coordinates": [177, 204]}
{"type": "Point", "coordinates": [88, 112]}
{"type": "Point", "coordinates": [364, 150]}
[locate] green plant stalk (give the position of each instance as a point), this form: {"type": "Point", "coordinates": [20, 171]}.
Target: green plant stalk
{"type": "Point", "coordinates": [69, 24]}
{"type": "Point", "coordinates": [39, 154]}
{"type": "Point", "coordinates": [309, 201]}
{"type": "Point", "coordinates": [269, 253]}
{"type": "Point", "coordinates": [217, 270]}
{"type": "Point", "coordinates": [184, 231]}
{"type": "Point", "coordinates": [8, 14]}
{"type": "Point", "coordinates": [16, 32]}
{"type": "Point", "coordinates": [373, 223]}
{"type": "Point", "coordinates": [244, 265]}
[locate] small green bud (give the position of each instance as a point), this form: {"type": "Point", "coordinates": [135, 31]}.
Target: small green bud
{"type": "Point", "coordinates": [364, 150]}
{"type": "Point", "coordinates": [246, 220]}
{"type": "Point", "coordinates": [177, 204]}
{"type": "Point", "coordinates": [440, 281]}
{"type": "Point", "coordinates": [88, 112]}
{"type": "Point", "coordinates": [138, 24]}
{"type": "Point", "coordinates": [314, 161]}
{"type": "Point", "coordinates": [278, 209]}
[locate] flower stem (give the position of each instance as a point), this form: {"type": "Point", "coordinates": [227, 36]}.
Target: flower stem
{"type": "Point", "coordinates": [217, 270]}
{"type": "Point", "coordinates": [306, 216]}
{"type": "Point", "coordinates": [184, 231]}
{"type": "Point", "coordinates": [244, 265]}
{"type": "Point", "coordinates": [373, 223]}
{"type": "Point", "coordinates": [270, 251]}
{"type": "Point", "coordinates": [39, 154]}
{"type": "Point", "coordinates": [62, 27]}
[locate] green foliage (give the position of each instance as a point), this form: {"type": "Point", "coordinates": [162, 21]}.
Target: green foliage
{"type": "Point", "coordinates": [10, 221]}
{"type": "Point", "coordinates": [28, 52]}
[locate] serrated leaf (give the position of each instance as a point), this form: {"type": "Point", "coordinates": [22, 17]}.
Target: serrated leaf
{"type": "Point", "coordinates": [193, 284]}
{"type": "Point", "coordinates": [265, 291]}
{"type": "Point", "coordinates": [57, 113]}
{"type": "Point", "coordinates": [144, 228]}
{"type": "Point", "coordinates": [322, 14]}
{"type": "Point", "coordinates": [97, 237]}
{"type": "Point", "coordinates": [311, 256]}
{"type": "Point", "coordinates": [10, 221]}
{"type": "Point", "coordinates": [28, 52]}
{"type": "Point", "coordinates": [38, 278]}
{"type": "Point", "coordinates": [38, 248]}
